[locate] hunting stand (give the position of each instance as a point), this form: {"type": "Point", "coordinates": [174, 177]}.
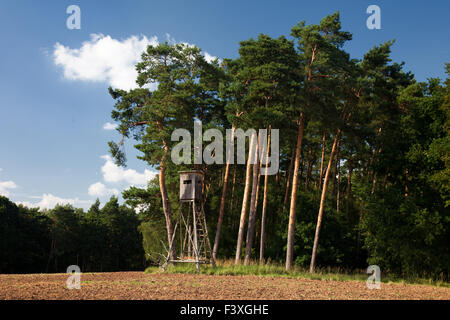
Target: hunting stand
{"type": "Point", "coordinates": [194, 242]}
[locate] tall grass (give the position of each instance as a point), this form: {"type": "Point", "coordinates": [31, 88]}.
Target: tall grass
{"type": "Point", "coordinates": [273, 269]}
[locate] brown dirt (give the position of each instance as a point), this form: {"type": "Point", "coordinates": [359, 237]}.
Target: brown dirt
{"type": "Point", "coordinates": [141, 286]}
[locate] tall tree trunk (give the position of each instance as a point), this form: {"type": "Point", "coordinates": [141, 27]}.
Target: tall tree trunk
{"type": "Point", "coordinates": [336, 166]}
{"type": "Point", "coordinates": [222, 203]}
{"type": "Point", "coordinates": [221, 212]}
{"type": "Point", "coordinates": [309, 170]}
{"type": "Point", "coordinates": [253, 207]}
{"type": "Point", "coordinates": [264, 208]}
{"type": "Point", "coordinates": [258, 184]}
{"type": "Point", "coordinates": [322, 203]}
{"type": "Point", "coordinates": [338, 194]}
{"type": "Point", "coordinates": [167, 209]}
{"type": "Point", "coordinates": [349, 186]}
{"type": "Point", "coordinates": [232, 196]}
{"type": "Point", "coordinates": [321, 162]}
{"type": "Point", "coordinates": [244, 202]}
{"type": "Point", "coordinates": [291, 227]}
{"type": "Point", "coordinates": [374, 183]}
{"type": "Point", "coordinates": [288, 181]}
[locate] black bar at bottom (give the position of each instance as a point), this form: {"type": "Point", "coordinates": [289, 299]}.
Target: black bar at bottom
{"type": "Point", "coordinates": [225, 309]}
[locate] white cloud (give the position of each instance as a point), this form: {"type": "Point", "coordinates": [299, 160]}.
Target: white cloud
{"type": "Point", "coordinates": [26, 204]}
{"type": "Point", "coordinates": [49, 201]}
{"type": "Point", "coordinates": [141, 207]}
{"type": "Point", "coordinates": [170, 39]}
{"type": "Point", "coordinates": [113, 173]}
{"type": "Point", "coordinates": [110, 126]}
{"type": "Point", "coordinates": [5, 187]}
{"type": "Point", "coordinates": [103, 59]}
{"type": "Point", "coordinates": [209, 58]}
{"type": "Point", "coordinates": [99, 190]}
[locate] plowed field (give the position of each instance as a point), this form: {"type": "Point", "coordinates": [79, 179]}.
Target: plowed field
{"type": "Point", "coordinates": [138, 285]}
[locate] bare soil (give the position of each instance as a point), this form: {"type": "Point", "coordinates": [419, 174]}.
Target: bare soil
{"type": "Point", "coordinates": [141, 286]}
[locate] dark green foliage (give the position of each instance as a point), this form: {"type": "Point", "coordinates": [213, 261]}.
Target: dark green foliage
{"type": "Point", "coordinates": [35, 241]}
{"type": "Point", "coordinates": [407, 226]}
{"type": "Point", "coordinates": [24, 238]}
{"type": "Point", "coordinates": [338, 240]}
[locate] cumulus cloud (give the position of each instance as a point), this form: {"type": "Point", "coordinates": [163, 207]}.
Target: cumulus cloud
{"type": "Point", "coordinates": [99, 190]}
{"type": "Point", "coordinates": [103, 59]}
{"type": "Point", "coordinates": [6, 186]}
{"type": "Point", "coordinates": [108, 60]}
{"type": "Point", "coordinates": [209, 58]}
{"type": "Point", "coordinates": [49, 201]}
{"type": "Point", "coordinates": [115, 174]}
{"type": "Point", "coordinates": [170, 39]}
{"type": "Point", "coordinates": [110, 126]}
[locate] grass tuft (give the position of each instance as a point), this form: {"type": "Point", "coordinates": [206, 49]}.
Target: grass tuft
{"type": "Point", "coordinates": [272, 269]}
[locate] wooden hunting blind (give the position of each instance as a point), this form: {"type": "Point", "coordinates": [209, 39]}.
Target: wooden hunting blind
{"type": "Point", "coordinates": [191, 183]}
{"type": "Point", "coordinates": [191, 242]}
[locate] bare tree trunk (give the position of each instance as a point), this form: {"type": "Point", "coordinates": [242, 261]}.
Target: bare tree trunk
{"type": "Point", "coordinates": [308, 172]}
{"type": "Point", "coordinates": [349, 186]}
{"type": "Point", "coordinates": [288, 181]}
{"type": "Point", "coordinates": [259, 179]}
{"type": "Point", "coordinates": [264, 208]}
{"type": "Point", "coordinates": [230, 216]}
{"type": "Point", "coordinates": [336, 166]}
{"type": "Point", "coordinates": [338, 194]}
{"type": "Point", "coordinates": [167, 210]}
{"type": "Point", "coordinates": [291, 227]}
{"type": "Point", "coordinates": [221, 212]}
{"type": "Point", "coordinates": [319, 184]}
{"type": "Point", "coordinates": [222, 203]}
{"type": "Point", "coordinates": [374, 183]}
{"type": "Point", "coordinates": [253, 207]}
{"type": "Point", "coordinates": [232, 194]}
{"type": "Point", "coordinates": [244, 202]}
{"type": "Point", "coordinates": [322, 204]}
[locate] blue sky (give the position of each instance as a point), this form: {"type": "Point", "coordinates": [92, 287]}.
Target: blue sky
{"type": "Point", "coordinates": [54, 101]}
